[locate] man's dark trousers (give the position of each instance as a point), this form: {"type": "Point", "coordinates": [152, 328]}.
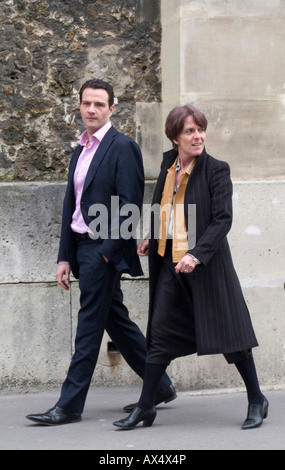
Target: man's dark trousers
{"type": "Point", "coordinates": [101, 307]}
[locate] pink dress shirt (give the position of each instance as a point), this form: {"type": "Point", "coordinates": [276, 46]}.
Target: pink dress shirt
{"type": "Point", "coordinates": [89, 149]}
{"type": "Point", "coordinates": [78, 225]}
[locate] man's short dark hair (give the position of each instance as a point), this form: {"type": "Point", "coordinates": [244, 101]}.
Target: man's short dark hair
{"type": "Point", "coordinates": [98, 84]}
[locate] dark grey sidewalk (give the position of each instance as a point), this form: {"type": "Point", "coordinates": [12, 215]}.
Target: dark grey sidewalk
{"type": "Point", "coordinates": [191, 422]}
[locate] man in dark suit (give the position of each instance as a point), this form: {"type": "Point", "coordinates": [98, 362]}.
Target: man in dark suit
{"type": "Point", "coordinates": [105, 167]}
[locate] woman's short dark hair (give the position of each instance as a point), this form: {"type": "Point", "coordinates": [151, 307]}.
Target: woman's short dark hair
{"type": "Point", "coordinates": [98, 84]}
{"type": "Point", "coordinates": [175, 120]}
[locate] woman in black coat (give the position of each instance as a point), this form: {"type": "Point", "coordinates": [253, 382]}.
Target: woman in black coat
{"type": "Point", "coordinates": [196, 302]}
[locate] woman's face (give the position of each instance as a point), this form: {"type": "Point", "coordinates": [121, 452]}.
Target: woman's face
{"type": "Point", "coordinates": [191, 141]}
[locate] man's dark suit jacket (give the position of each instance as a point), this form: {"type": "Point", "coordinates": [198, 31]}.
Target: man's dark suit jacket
{"type": "Point", "coordinates": [116, 170]}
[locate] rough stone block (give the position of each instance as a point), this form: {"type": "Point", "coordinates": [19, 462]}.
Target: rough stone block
{"type": "Point", "coordinates": [34, 336]}
{"type": "Point", "coordinates": [30, 215]}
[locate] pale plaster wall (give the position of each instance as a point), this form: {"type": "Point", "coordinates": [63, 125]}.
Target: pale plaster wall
{"type": "Point", "coordinates": [226, 57]}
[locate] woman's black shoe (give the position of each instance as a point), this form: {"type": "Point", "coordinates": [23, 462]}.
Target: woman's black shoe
{"type": "Point", "coordinates": [165, 396]}
{"type": "Point", "coordinates": [136, 416]}
{"type": "Point", "coordinates": [255, 415]}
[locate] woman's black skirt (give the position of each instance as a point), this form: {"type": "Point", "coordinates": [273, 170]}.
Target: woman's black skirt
{"type": "Point", "coordinates": [172, 329]}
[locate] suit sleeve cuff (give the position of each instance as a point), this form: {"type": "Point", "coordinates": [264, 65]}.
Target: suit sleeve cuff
{"type": "Point", "coordinates": [195, 259]}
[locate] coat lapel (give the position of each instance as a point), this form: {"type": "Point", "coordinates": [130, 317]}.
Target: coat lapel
{"type": "Point", "coordinates": [99, 155]}
{"type": "Point", "coordinates": [198, 164]}
{"type": "Point", "coordinates": [168, 160]}
{"type": "Point", "coordinates": [73, 161]}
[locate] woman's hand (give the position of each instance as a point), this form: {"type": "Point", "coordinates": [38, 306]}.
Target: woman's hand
{"type": "Point", "coordinates": [186, 265]}
{"type": "Point", "coordinates": [142, 248]}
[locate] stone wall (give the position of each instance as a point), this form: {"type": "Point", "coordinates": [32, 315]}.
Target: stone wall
{"type": "Point", "coordinates": [223, 56]}
{"type": "Point", "coordinates": [38, 319]}
{"type": "Point", "coordinates": [48, 49]}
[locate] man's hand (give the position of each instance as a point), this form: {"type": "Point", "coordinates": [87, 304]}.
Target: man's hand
{"type": "Point", "coordinates": [63, 275]}
{"type": "Point", "coordinates": [142, 248]}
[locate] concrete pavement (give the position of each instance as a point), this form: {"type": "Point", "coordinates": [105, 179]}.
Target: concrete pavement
{"type": "Point", "coordinates": [194, 421]}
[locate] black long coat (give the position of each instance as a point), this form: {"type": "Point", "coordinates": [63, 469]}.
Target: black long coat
{"type": "Point", "coordinates": [222, 320]}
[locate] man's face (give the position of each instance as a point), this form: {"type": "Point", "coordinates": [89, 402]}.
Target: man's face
{"type": "Point", "coordinates": [95, 110]}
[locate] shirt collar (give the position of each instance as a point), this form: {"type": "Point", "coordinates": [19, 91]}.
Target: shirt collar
{"type": "Point", "coordinates": [99, 135]}
{"type": "Point", "coordinates": [177, 166]}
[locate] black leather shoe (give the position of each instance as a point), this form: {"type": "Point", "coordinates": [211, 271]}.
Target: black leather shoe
{"type": "Point", "coordinates": [54, 417]}
{"type": "Point", "coordinates": [165, 396]}
{"type": "Point", "coordinates": [255, 415]}
{"type": "Point", "coordinates": [136, 416]}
